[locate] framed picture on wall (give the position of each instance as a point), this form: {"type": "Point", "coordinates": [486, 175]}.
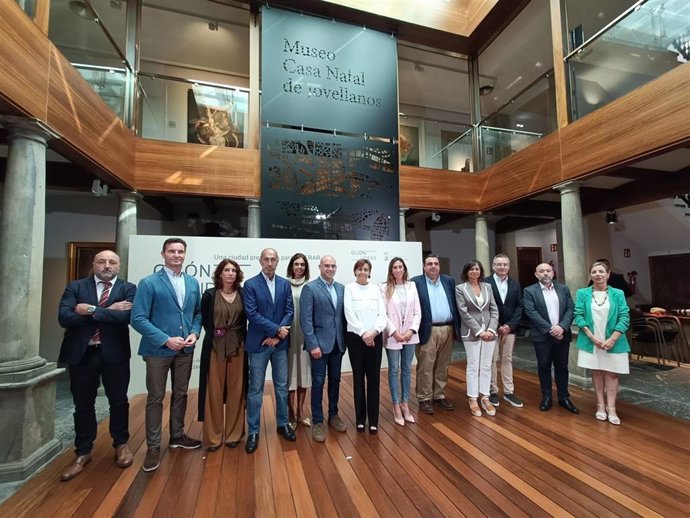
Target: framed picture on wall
{"type": "Point", "coordinates": [409, 145]}
{"type": "Point", "coordinates": [216, 116]}
{"type": "Point", "coordinates": [80, 256]}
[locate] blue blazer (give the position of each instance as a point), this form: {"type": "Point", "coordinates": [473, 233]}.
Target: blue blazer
{"type": "Point", "coordinates": [618, 319]}
{"type": "Point", "coordinates": [113, 325]}
{"type": "Point", "coordinates": [322, 323]}
{"type": "Point", "coordinates": [265, 316]}
{"type": "Point", "coordinates": [510, 311]}
{"type": "Point", "coordinates": [448, 284]}
{"type": "Point", "coordinates": [157, 316]}
{"type": "Point", "coordinates": [535, 310]}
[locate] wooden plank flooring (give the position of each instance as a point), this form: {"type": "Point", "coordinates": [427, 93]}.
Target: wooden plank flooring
{"type": "Point", "coordinates": [522, 463]}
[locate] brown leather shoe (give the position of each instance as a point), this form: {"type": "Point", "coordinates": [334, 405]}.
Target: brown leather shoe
{"type": "Point", "coordinates": [76, 467]}
{"type": "Point", "coordinates": [123, 456]}
{"type": "Point", "coordinates": [444, 403]}
{"type": "Point", "coordinates": [426, 407]}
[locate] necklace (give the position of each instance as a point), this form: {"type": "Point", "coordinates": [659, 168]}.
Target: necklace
{"type": "Point", "coordinates": [603, 301]}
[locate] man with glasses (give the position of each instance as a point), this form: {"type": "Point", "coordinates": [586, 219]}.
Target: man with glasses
{"type": "Point", "coordinates": [508, 296]}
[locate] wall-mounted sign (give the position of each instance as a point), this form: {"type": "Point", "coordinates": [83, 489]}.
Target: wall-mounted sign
{"type": "Point", "coordinates": [325, 74]}
{"type": "Point", "coordinates": [626, 252]}
{"type": "Point", "coordinates": [553, 247]}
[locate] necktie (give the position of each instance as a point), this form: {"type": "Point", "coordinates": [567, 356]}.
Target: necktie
{"type": "Point", "coordinates": [96, 338]}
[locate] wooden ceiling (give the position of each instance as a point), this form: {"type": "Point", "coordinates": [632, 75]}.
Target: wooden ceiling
{"type": "Point", "coordinates": [452, 38]}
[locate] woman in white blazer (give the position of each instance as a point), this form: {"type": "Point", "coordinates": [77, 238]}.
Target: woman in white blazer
{"type": "Point", "coordinates": [400, 336]}
{"type": "Point", "coordinates": [479, 317]}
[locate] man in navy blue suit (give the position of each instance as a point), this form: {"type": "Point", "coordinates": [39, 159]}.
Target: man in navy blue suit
{"type": "Point", "coordinates": [439, 326]}
{"type": "Point", "coordinates": [268, 304]}
{"type": "Point", "coordinates": [508, 297]}
{"type": "Point", "coordinates": [322, 319]}
{"type": "Point", "coordinates": [95, 314]}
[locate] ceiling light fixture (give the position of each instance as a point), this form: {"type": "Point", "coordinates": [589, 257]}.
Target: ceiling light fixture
{"type": "Point", "coordinates": [486, 89]}
{"type": "Point", "coordinates": [83, 10]}
{"type": "Point", "coordinates": [611, 217]}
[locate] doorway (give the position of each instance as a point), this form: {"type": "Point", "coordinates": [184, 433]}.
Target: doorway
{"type": "Point", "coordinates": [528, 258]}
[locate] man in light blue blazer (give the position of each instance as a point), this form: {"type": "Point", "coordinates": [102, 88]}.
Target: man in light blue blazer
{"type": "Point", "coordinates": [167, 314]}
{"type": "Point", "coordinates": [268, 304]}
{"type": "Point", "coordinates": [322, 318]}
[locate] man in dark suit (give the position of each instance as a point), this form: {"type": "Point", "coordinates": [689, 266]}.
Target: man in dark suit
{"type": "Point", "coordinates": [323, 323]}
{"type": "Point", "coordinates": [268, 304]}
{"type": "Point", "coordinates": [508, 297]}
{"type": "Point", "coordinates": [438, 328]}
{"type": "Point", "coordinates": [167, 314]}
{"type": "Point", "coordinates": [95, 314]}
{"type": "Point", "coordinates": [549, 308]}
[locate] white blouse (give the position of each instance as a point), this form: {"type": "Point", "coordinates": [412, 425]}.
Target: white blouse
{"type": "Point", "coordinates": [364, 308]}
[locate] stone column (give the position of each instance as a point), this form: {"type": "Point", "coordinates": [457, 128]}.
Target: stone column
{"type": "Point", "coordinates": [126, 225]}
{"type": "Point", "coordinates": [574, 268]}
{"type": "Point", "coordinates": [403, 225]}
{"type": "Point", "coordinates": [253, 217]}
{"type": "Point", "coordinates": [27, 384]}
{"type": "Point", "coordinates": [481, 237]}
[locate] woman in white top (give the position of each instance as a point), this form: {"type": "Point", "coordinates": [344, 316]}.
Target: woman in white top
{"type": "Point", "coordinates": [404, 315]}
{"type": "Point", "coordinates": [479, 316]}
{"type": "Point", "coordinates": [299, 363]}
{"type": "Point", "coordinates": [365, 313]}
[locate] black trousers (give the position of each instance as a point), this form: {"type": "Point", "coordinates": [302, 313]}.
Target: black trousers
{"type": "Point", "coordinates": [553, 352]}
{"type": "Point", "coordinates": [84, 379]}
{"type": "Point", "coordinates": [366, 377]}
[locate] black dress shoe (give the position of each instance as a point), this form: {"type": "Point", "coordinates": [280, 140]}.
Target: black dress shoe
{"type": "Point", "coordinates": [287, 433]}
{"type": "Point", "coordinates": [232, 444]}
{"type": "Point", "coordinates": [213, 448]}
{"type": "Point", "coordinates": [568, 405]}
{"type": "Point", "coordinates": [545, 404]}
{"type": "Point", "coordinates": [252, 443]}
{"type": "Point", "coordinates": [444, 403]}
{"type": "Point", "coordinates": [426, 407]}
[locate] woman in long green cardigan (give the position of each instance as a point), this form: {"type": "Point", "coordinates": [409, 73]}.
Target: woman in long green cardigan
{"type": "Point", "coordinates": [603, 317]}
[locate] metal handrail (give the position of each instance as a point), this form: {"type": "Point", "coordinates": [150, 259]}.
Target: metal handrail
{"type": "Point", "coordinates": [193, 81]}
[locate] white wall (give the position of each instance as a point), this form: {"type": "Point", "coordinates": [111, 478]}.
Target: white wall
{"type": "Point", "coordinates": [458, 245]}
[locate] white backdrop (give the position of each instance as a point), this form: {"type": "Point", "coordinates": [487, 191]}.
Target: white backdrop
{"type": "Point", "coordinates": [204, 253]}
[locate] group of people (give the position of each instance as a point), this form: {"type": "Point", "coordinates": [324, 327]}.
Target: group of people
{"type": "Point", "coordinates": [303, 327]}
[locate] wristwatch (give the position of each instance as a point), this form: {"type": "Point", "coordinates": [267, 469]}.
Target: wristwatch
{"type": "Point", "coordinates": [91, 310]}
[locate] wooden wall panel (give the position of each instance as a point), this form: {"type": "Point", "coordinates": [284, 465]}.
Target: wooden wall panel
{"type": "Point", "coordinates": [438, 189]}
{"type": "Point", "coordinates": [526, 172]}
{"type": "Point", "coordinates": [172, 167]}
{"type": "Point", "coordinates": [24, 61]}
{"type": "Point", "coordinates": [81, 118]}
{"type": "Point", "coordinates": [649, 119]}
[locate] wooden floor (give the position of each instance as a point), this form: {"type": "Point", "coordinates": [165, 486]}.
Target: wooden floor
{"type": "Point", "coordinates": [523, 462]}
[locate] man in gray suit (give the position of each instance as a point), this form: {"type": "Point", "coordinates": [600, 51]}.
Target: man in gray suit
{"type": "Point", "coordinates": [549, 308]}
{"type": "Point", "coordinates": [323, 323]}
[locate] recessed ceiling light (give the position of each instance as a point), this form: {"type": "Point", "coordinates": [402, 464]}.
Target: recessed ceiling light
{"type": "Point", "coordinates": [520, 125]}
{"type": "Point", "coordinates": [538, 64]}
{"type": "Point", "coordinates": [486, 89]}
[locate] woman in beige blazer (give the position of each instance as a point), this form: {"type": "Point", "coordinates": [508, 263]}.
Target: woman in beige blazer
{"type": "Point", "coordinates": [479, 317]}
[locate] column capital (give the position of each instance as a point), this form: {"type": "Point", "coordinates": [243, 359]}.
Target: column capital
{"type": "Point", "coordinates": [24, 127]}
{"type": "Point", "coordinates": [253, 203]}
{"type": "Point", "coordinates": [569, 186]}
{"type": "Point", "coordinates": [127, 195]}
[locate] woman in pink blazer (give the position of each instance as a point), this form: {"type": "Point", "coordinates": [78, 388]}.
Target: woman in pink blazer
{"type": "Point", "coordinates": [400, 336]}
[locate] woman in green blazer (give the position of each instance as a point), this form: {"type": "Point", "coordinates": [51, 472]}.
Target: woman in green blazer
{"type": "Point", "coordinates": [603, 317]}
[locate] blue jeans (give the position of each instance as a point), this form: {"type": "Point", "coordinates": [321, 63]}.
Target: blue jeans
{"type": "Point", "coordinates": [328, 363]}
{"type": "Point", "coordinates": [258, 362]}
{"type": "Point", "coordinates": [394, 367]}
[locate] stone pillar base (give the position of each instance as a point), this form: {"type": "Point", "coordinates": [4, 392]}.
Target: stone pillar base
{"type": "Point", "coordinates": [579, 376]}
{"type": "Point", "coordinates": [27, 407]}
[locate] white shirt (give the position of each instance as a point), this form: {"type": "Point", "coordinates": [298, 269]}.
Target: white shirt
{"type": "Point", "coordinates": [177, 281]}
{"type": "Point", "coordinates": [502, 287]}
{"type": "Point", "coordinates": [100, 286]}
{"type": "Point", "coordinates": [552, 304]}
{"type": "Point", "coordinates": [271, 283]}
{"type": "Point", "coordinates": [364, 308]}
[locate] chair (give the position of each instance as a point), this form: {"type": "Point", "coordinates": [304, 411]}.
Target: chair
{"type": "Point", "coordinates": [646, 330]}
{"type": "Point", "coordinates": [679, 341]}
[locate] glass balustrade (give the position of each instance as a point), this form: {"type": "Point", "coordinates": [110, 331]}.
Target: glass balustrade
{"type": "Point", "coordinates": [646, 41]}
{"type": "Point", "coordinates": [183, 110]}
{"type": "Point", "coordinates": [109, 83]}
{"type": "Point", "coordinates": [435, 144]}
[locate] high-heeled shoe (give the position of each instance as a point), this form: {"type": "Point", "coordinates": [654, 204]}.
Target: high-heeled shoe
{"type": "Point", "coordinates": [397, 415]}
{"type": "Point", "coordinates": [406, 413]}
{"type": "Point", "coordinates": [613, 418]}
{"type": "Point", "coordinates": [474, 407]}
{"type": "Point", "coordinates": [601, 413]}
{"type": "Point", "coordinates": [488, 407]}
